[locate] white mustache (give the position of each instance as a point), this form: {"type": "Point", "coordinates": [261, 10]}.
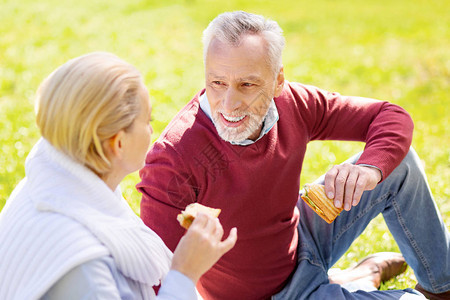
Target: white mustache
{"type": "Point", "coordinates": [232, 118]}
{"type": "Point", "coordinates": [235, 114]}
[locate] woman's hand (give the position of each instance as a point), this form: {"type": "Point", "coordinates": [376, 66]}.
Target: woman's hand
{"type": "Point", "coordinates": [201, 247]}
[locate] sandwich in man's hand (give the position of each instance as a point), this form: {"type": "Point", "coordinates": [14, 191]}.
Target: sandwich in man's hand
{"type": "Point", "coordinates": [188, 215]}
{"type": "Point", "coordinates": [316, 198]}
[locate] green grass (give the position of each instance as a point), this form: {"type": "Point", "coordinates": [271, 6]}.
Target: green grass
{"type": "Point", "coordinates": [394, 50]}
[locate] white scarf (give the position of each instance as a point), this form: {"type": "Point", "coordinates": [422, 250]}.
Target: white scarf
{"type": "Point", "coordinates": [62, 185]}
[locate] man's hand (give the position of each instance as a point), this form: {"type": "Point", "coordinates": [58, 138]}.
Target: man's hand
{"type": "Point", "coordinates": [201, 247]}
{"type": "Point", "coordinates": [345, 183]}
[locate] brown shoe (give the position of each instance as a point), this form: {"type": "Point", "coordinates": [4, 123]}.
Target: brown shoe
{"type": "Point", "coordinates": [431, 296]}
{"type": "Point", "coordinates": [375, 268]}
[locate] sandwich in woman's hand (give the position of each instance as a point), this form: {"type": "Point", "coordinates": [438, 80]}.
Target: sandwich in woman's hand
{"type": "Point", "coordinates": [316, 198]}
{"type": "Point", "coordinates": [188, 215]}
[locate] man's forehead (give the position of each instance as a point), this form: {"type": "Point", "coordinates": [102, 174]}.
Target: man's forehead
{"type": "Point", "coordinates": [250, 44]}
{"type": "Point", "coordinates": [248, 61]}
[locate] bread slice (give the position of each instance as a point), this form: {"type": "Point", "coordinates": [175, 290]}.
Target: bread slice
{"type": "Point", "coordinates": [188, 215]}
{"type": "Point", "coordinates": [316, 198]}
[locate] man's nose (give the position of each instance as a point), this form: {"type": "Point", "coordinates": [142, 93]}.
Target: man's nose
{"type": "Point", "coordinates": [231, 100]}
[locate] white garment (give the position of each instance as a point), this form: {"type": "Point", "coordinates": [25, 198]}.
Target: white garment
{"type": "Point", "coordinates": [62, 215]}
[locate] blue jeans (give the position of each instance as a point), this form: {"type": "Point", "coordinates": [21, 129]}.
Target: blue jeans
{"type": "Point", "coordinates": [408, 208]}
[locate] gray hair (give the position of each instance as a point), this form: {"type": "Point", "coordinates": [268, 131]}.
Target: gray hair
{"type": "Point", "coordinates": [229, 27]}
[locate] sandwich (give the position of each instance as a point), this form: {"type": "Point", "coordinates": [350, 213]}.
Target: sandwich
{"type": "Point", "coordinates": [316, 198]}
{"type": "Point", "coordinates": [188, 215]}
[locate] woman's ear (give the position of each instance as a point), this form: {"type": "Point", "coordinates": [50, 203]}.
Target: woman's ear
{"type": "Point", "coordinates": [114, 145]}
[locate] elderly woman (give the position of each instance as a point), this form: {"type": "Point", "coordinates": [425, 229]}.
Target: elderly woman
{"type": "Point", "coordinates": [66, 232]}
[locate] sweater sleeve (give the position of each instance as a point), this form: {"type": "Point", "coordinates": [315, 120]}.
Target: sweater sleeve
{"type": "Point", "coordinates": [166, 188]}
{"type": "Point", "coordinates": [386, 128]}
{"type": "Point", "coordinates": [177, 286]}
{"type": "Point", "coordinates": [95, 279]}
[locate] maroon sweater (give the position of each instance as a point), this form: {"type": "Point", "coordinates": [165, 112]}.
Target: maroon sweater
{"type": "Point", "coordinates": [257, 186]}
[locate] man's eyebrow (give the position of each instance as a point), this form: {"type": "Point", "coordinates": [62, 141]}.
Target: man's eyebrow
{"type": "Point", "coordinates": [215, 76]}
{"type": "Point", "coordinates": [251, 78]}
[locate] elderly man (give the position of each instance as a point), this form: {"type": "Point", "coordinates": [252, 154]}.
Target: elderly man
{"type": "Point", "coordinates": [239, 145]}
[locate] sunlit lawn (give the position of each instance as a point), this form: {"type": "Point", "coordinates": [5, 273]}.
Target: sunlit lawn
{"type": "Point", "coordinates": [394, 50]}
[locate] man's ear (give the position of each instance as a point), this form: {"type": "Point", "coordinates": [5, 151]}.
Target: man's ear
{"type": "Point", "coordinates": [114, 145]}
{"type": "Point", "coordinates": [280, 82]}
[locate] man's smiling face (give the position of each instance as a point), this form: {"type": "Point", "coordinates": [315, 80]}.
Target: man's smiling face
{"type": "Point", "coordinates": [240, 84]}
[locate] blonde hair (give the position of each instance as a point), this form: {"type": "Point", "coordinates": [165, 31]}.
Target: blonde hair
{"type": "Point", "coordinates": [86, 101]}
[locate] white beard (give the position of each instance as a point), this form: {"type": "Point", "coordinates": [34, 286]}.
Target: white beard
{"type": "Point", "coordinates": [240, 133]}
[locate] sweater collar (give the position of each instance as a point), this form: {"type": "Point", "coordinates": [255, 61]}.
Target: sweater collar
{"type": "Point", "coordinates": [62, 185]}
{"type": "Point", "coordinates": [269, 120]}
